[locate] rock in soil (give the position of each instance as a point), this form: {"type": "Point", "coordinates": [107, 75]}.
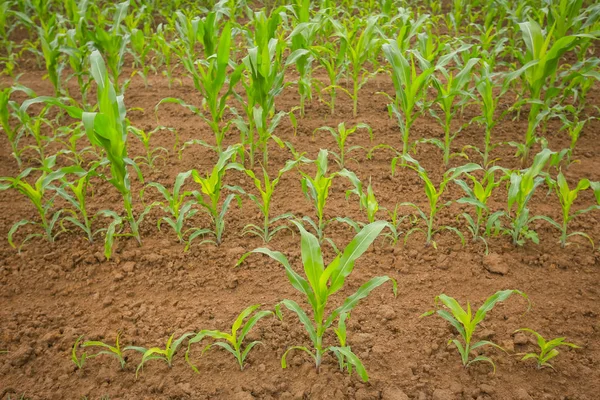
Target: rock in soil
{"type": "Point", "coordinates": [495, 264]}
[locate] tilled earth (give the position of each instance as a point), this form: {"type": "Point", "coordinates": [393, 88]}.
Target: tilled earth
{"type": "Point", "coordinates": [54, 292]}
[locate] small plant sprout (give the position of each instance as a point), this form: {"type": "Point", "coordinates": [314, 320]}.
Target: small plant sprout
{"type": "Point", "coordinates": [266, 188]}
{"type": "Point", "coordinates": [320, 284]}
{"type": "Point", "coordinates": [114, 351]}
{"type": "Point", "coordinates": [78, 361]}
{"type": "Point", "coordinates": [343, 351]}
{"type": "Point", "coordinates": [232, 342]}
{"type": "Point", "coordinates": [35, 193]}
{"type": "Point", "coordinates": [151, 153]}
{"type": "Point", "coordinates": [547, 348]}
{"type": "Point", "coordinates": [367, 200]}
{"type": "Point", "coordinates": [433, 195]}
{"type": "Point", "coordinates": [341, 135]}
{"type": "Point", "coordinates": [449, 88]}
{"type": "Point", "coordinates": [317, 190]}
{"type": "Point", "coordinates": [106, 129]}
{"type": "Point", "coordinates": [176, 205]}
{"type": "Point", "coordinates": [478, 197]}
{"type": "Point", "coordinates": [466, 323]}
{"type": "Point", "coordinates": [156, 353]}
{"type": "Point", "coordinates": [410, 88]}
{"type": "Point", "coordinates": [567, 197]}
{"type": "Point", "coordinates": [211, 189]}
{"type": "Point", "coordinates": [522, 186]}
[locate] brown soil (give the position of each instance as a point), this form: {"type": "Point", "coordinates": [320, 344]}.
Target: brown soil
{"type": "Point", "coordinates": [52, 293]}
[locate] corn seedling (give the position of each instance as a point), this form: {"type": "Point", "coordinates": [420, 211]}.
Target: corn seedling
{"type": "Point", "coordinates": [107, 129]}
{"type": "Point", "coordinates": [466, 323]}
{"type": "Point", "coordinates": [361, 41]}
{"type": "Point", "coordinates": [114, 351]}
{"type": "Point", "coordinates": [152, 153]}
{"type": "Point", "coordinates": [6, 105]}
{"type": "Point", "coordinates": [332, 57]}
{"type": "Point", "coordinates": [488, 102]}
{"type": "Point", "coordinates": [266, 188]}
{"type": "Point", "coordinates": [367, 201]}
{"type": "Point", "coordinates": [341, 135]}
{"type": "Point", "coordinates": [343, 352]}
{"type": "Point", "coordinates": [79, 361]}
{"type": "Point", "coordinates": [211, 189]}
{"type": "Point", "coordinates": [264, 81]}
{"type": "Point", "coordinates": [176, 205]}
{"type": "Point", "coordinates": [433, 195]}
{"type": "Point", "coordinates": [317, 190]}
{"type": "Point", "coordinates": [540, 65]}
{"type": "Point", "coordinates": [76, 195]}
{"type": "Point", "coordinates": [232, 342]}
{"type": "Point", "coordinates": [302, 38]}
{"type": "Point", "coordinates": [449, 89]}
{"type": "Point", "coordinates": [547, 348]}
{"type": "Point", "coordinates": [35, 194]}
{"type": "Point", "coordinates": [567, 197]}
{"type": "Point", "coordinates": [522, 186]}
{"type": "Point", "coordinates": [410, 88]}
{"type": "Point", "coordinates": [141, 45]}
{"type": "Point", "coordinates": [210, 80]}
{"type": "Point", "coordinates": [112, 43]}
{"type": "Point", "coordinates": [478, 197]}
{"type": "Point", "coordinates": [50, 41]}
{"type": "Point", "coordinates": [320, 284]}
{"type": "Point", "coordinates": [156, 353]}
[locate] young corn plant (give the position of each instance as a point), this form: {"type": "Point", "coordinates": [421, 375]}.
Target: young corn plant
{"type": "Point", "coordinates": [114, 351]}
{"type": "Point", "coordinates": [212, 80]}
{"type": "Point", "coordinates": [232, 342]}
{"type": "Point", "coordinates": [152, 153]}
{"type": "Point", "coordinates": [488, 102]}
{"type": "Point", "coordinates": [341, 135]}
{"type": "Point", "coordinates": [331, 56]}
{"type": "Point", "coordinates": [567, 197]}
{"type": "Point", "coordinates": [410, 88]}
{"type": "Point", "coordinates": [466, 323]}
{"type": "Point", "coordinates": [211, 190]}
{"type": "Point", "coordinates": [50, 40]}
{"type": "Point", "coordinates": [302, 38]}
{"type": "Point", "coordinates": [7, 107]}
{"type": "Point", "coordinates": [450, 88]}
{"type": "Point", "coordinates": [265, 70]}
{"type": "Point", "coordinates": [112, 42]}
{"type": "Point", "coordinates": [320, 284]}
{"type": "Point", "coordinates": [478, 197]}
{"type": "Point", "coordinates": [35, 193]}
{"type": "Point", "coordinates": [79, 361]}
{"type": "Point", "coordinates": [343, 352]}
{"type": "Point", "coordinates": [547, 348]}
{"type": "Point", "coordinates": [361, 41]}
{"type": "Point", "coordinates": [77, 54]}
{"type": "Point", "coordinates": [433, 195]}
{"type": "Point", "coordinates": [367, 200]}
{"type": "Point", "coordinates": [522, 186]}
{"type": "Point", "coordinates": [395, 225]}
{"type": "Point", "coordinates": [539, 70]}
{"type": "Point", "coordinates": [141, 46]}
{"type": "Point", "coordinates": [106, 129]}
{"type": "Point", "coordinates": [156, 353]}
{"type": "Point", "coordinates": [316, 189]}
{"type": "Point", "coordinates": [177, 207]}
{"type": "Point", "coordinates": [266, 188]}
{"type": "Point", "coordinates": [76, 193]}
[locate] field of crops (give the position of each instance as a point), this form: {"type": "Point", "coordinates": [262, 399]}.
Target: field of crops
{"type": "Point", "coordinates": [362, 199]}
